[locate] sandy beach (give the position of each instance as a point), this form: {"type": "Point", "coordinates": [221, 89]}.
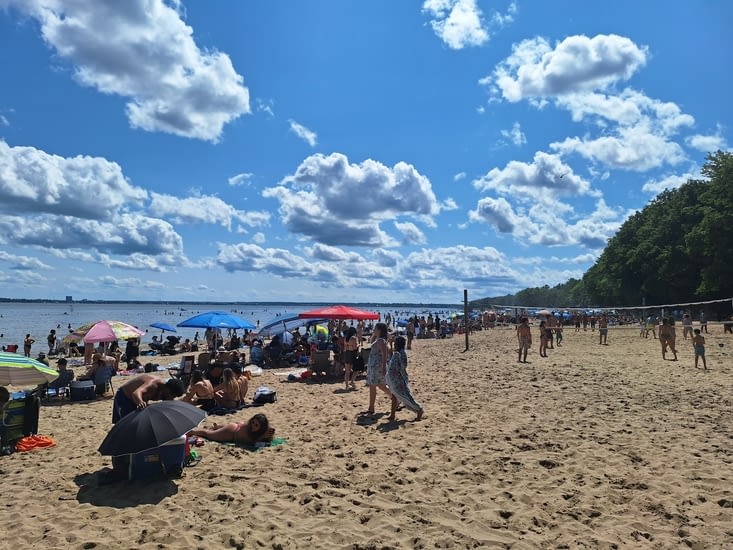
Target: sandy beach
{"type": "Point", "coordinates": [593, 447]}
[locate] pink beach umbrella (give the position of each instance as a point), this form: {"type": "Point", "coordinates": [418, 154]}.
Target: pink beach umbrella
{"type": "Point", "coordinates": [110, 331]}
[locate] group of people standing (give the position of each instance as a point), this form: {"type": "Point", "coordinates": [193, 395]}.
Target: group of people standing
{"type": "Point", "coordinates": [668, 336]}
{"type": "Point", "coordinates": [387, 371]}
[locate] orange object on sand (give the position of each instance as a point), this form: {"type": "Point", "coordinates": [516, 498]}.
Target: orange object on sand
{"type": "Point", "coordinates": [33, 442]}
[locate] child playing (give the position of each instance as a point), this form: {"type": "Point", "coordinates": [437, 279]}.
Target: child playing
{"type": "Point", "coordinates": [698, 342]}
{"type": "Point", "coordinates": [558, 335]}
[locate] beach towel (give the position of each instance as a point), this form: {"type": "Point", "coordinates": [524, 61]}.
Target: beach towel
{"type": "Point", "coordinates": [220, 411]}
{"type": "Point", "coordinates": [34, 442]}
{"type": "Point", "coordinates": [276, 442]}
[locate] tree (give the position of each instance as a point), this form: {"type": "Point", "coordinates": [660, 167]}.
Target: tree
{"type": "Point", "coordinates": [677, 249]}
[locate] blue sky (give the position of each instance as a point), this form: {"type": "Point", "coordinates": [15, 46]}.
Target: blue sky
{"type": "Point", "coordinates": [342, 151]}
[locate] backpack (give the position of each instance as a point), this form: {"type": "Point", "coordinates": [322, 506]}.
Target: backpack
{"type": "Point", "coordinates": [264, 395]}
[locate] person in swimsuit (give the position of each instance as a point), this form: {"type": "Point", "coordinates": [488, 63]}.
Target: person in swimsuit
{"type": "Point", "coordinates": [256, 429]}
{"type": "Point", "coordinates": [136, 393]}
{"type": "Point", "coordinates": [686, 326]}
{"type": "Point", "coordinates": [227, 393]}
{"type": "Point", "coordinates": [603, 330]}
{"type": "Point", "coordinates": [27, 344]}
{"type": "Point", "coordinates": [242, 379]}
{"type": "Point", "coordinates": [698, 342]}
{"type": "Point", "coordinates": [543, 339]}
{"type": "Point", "coordinates": [351, 347]}
{"type": "Point", "coordinates": [666, 339]}
{"type": "Point", "coordinates": [200, 392]}
{"type": "Point", "coordinates": [524, 335]}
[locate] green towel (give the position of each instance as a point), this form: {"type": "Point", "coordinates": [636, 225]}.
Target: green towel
{"type": "Point", "coordinates": [276, 441]}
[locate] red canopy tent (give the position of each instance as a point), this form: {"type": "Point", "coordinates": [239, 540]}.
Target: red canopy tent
{"type": "Point", "coordinates": [339, 312]}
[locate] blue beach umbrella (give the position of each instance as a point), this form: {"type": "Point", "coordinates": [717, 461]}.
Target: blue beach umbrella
{"type": "Point", "coordinates": [217, 319]}
{"type": "Point", "coordinates": [163, 326]}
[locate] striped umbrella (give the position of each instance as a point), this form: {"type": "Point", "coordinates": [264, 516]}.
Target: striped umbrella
{"type": "Point", "coordinates": [109, 331]}
{"type": "Point", "coordinates": [18, 370]}
{"type": "Point", "coordinates": [77, 334]}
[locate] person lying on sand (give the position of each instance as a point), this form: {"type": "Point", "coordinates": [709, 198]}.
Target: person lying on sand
{"type": "Point", "coordinates": [255, 430]}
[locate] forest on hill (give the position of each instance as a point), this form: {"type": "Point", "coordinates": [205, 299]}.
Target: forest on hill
{"type": "Point", "coordinates": [678, 249]}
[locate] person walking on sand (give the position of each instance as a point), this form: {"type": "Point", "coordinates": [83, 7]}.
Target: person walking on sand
{"type": "Point", "coordinates": [698, 342]}
{"type": "Point", "coordinates": [524, 335]}
{"type": "Point", "coordinates": [665, 339]}
{"type": "Point", "coordinates": [377, 365]}
{"type": "Point", "coordinates": [351, 346]}
{"type": "Point", "coordinates": [399, 383]}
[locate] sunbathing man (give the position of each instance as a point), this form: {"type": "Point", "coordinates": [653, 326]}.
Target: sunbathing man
{"type": "Point", "coordinates": [256, 429]}
{"type": "Point", "coordinates": [136, 393]}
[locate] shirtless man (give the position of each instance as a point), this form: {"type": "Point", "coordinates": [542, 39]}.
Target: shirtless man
{"type": "Point", "coordinates": [603, 330]}
{"type": "Point", "coordinates": [136, 393]}
{"type": "Point", "coordinates": [256, 429]}
{"type": "Point", "coordinates": [524, 335]}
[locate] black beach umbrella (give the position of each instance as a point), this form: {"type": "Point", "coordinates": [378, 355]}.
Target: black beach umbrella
{"type": "Point", "coordinates": [151, 427]}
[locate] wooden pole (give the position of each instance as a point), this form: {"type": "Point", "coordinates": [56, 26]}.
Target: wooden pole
{"type": "Point", "coordinates": [465, 314]}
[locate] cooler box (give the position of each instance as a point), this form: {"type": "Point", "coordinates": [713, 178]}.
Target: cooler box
{"type": "Point", "coordinates": [162, 462]}
{"type": "Point", "coordinates": [82, 390]}
{"type": "Point", "coordinates": [20, 417]}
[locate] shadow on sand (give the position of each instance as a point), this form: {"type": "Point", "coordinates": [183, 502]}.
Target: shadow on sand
{"type": "Point", "coordinates": [100, 488]}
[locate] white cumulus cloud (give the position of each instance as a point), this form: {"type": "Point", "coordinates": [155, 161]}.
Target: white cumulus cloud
{"type": "Point", "coordinates": [458, 23]}
{"type": "Point", "coordinates": [144, 51]}
{"type": "Point", "coordinates": [578, 63]}
{"type": "Point", "coordinates": [335, 202]}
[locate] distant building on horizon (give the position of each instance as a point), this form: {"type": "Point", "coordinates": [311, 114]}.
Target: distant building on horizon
{"type": "Point", "coordinates": [69, 299]}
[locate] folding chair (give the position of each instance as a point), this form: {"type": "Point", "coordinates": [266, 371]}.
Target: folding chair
{"type": "Point", "coordinates": [320, 361]}
{"type": "Point", "coordinates": [103, 378]}
{"type": "Point", "coordinates": [185, 369]}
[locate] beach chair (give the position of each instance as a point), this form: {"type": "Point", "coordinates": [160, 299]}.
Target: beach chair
{"type": "Point", "coordinates": [59, 388]}
{"type": "Point", "coordinates": [321, 361]}
{"type": "Point", "coordinates": [204, 360]}
{"type": "Point", "coordinates": [103, 379]}
{"type": "Point", "coordinates": [185, 369]}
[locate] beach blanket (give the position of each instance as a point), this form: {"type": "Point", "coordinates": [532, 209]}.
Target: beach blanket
{"type": "Point", "coordinates": [220, 411]}
{"type": "Point", "coordinates": [295, 372]}
{"type": "Point", "coordinates": [276, 442]}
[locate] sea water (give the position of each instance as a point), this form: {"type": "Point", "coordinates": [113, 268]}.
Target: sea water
{"type": "Point", "coordinates": [37, 319]}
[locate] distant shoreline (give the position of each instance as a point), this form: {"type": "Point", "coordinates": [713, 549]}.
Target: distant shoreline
{"type": "Point", "coordinates": [193, 302]}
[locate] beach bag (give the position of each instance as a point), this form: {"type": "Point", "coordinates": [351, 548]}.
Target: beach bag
{"type": "Point", "coordinates": [359, 365]}
{"type": "Point", "coordinates": [264, 395]}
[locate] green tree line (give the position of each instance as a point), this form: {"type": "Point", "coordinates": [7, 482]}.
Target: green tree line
{"type": "Point", "coordinates": [678, 249]}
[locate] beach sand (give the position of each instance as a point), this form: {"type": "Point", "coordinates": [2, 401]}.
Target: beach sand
{"type": "Point", "coordinates": [594, 447]}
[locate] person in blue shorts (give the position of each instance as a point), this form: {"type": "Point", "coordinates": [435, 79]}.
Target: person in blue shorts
{"type": "Point", "coordinates": [136, 394]}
